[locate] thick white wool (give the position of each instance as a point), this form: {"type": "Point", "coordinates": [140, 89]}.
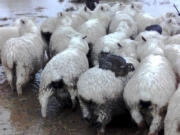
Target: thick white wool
{"type": "Point", "coordinates": [175, 39]}
{"type": "Point", "coordinates": [143, 20]}
{"type": "Point", "coordinates": [93, 29]}
{"type": "Point", "coordinates": [152, 46]}
{"type": "Point", "coordinates": [172, 120]}
{"type": "Point", "coordinates": [27, 53]}
{"type": "Point", "coordinates": [119, 17]}
{"type": "Point", "coordinates": [153, 78]}
{"type": "Point", "coordinates": [170, 27]}
{"type": "Point", "coordinates": [110, 43]}
{"type": "Point", "coordinates": [172, 53]}
{"type": "Point", "coordinates": [148, 35]}
{"type": "Point", "coordinates": [101, 12]}
{"type": "Point", "coordinates": [60, 39]}
{"type": "Point", "coordinates": [7, 33]}
{"type": "Point", "coordinates": [99, 85]}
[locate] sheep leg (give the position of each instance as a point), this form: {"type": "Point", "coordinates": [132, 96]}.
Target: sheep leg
{"type": "Point", "coordinates": [22, 78]}
{"type": "Point", "coordinates": [73, 94]}
{"type": "Point", "coordinates": [9, 76]}
{"type": "Point", "coordinates": [136, 115]}
{"type": "Point", "coordinates": [85, 110]}
{"type": "Point", "coordinates": [102, 120]}
{"type": "Point", "coordinates": [155, 124]}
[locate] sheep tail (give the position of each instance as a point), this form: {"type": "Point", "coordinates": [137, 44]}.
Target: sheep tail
{"type": "Point", "coordinates": [14, 77]}
{"type": "Point", "coordinates": [145, 104]}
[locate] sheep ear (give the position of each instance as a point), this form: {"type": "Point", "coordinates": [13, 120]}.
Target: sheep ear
{"type": "Point", "coordinates": [143, 39]}
{"type": "Point", "coordinates": [22, 21]}
{"type": "Point", "coordinates": [84, 37]}
{"type": "Point", "coordinates": [119, 45]}
{"type": "Point", "coordinates": [85, 9]}
{"type": "Point", "coordinates": [60, 14]}
{"type": "Point", "coordinates": [170, 21]}
{"type": "Point", "coordinates": [102, 8]}
{"type": "Point", "coordinates": [132, 6]}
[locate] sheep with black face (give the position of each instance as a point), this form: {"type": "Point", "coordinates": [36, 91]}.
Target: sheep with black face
{"type": "Point", "coordinates": [100, 90]}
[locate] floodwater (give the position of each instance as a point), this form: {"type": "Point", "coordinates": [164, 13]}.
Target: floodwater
{"type": "Point", "coordinates": [21, 115]}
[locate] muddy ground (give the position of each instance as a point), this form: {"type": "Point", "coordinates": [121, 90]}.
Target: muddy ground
{"type": "Point", "coordinates": [21, 115]}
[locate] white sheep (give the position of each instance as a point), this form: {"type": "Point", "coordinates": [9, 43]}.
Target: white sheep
{"type": "Point", "coordinates": [172, 119]}
{"type": "Point", "coordinates": [175, 39]}
{"type": "Point", "coordinates": [100, 96]}
{"type": "Point", "coordinates": [23, 56]}
{"type": "Point", "coordinates": [73, 19]}
{"type": "Point", "coordinates": [118, 18]}
{"type": "Point", "coordinates": [147, 93]}
{"type": "Point", "coordinates": [60, 39]}
{"type": "Point", "coordinates": [63, 70]}
{"type": "Point", "coordinates": [115, 45]}
{"type": "Point", "coordinates": [172, 53]}
{"type": "Point", "coordinates": [143, 20]}
{"type": "Point", "coordinates": [102, 12]}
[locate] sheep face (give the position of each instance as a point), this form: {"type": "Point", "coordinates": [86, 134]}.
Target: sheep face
{"type": "Point", "coordinates": [117, 64]}
{"type": "Point", "coordinates": [26, 25]}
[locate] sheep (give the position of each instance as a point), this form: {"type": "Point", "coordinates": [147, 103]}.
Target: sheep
{"type": "Point", "coordinates": [7, 33]}
{"type": "Point", "coordinates": [62, 71]}
{"type": "Point", "coordinates": [148, 91]}
{"type": "Point", "coordinates": [152, 46]}
{"type": "Point", "coordinates": [118, 18]}
{"type": "Point", "coordinates": [73, 19]}
{"type": "Point", "coordinates": [100, 95]}
{"type": "Point", "coordinates": [60, 39]}
{"type": "Point", "coordinates": [143, 20]}
{"type": "Point", "coordinates": [23, 56]}
{"type": "Point", "coordinates": [114, 44]}
{"type": "Point", "coordinates": [172, 120]}
{"type": "Point", "coordinates": [172, 53]}
{"type": "Point", "coordinates": [148, 35]}
{"type": "Point", "coordinates": [175, 39]}
{"type": "Point", "coordinates": [102, 12]}
{"type": "Point", "coordinates": [170, 27]}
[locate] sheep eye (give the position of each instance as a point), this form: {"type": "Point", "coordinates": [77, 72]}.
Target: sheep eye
{"type": "Point", "coordinates": [102, 8]}
{"type": "Point", "coordinates": [144, 39]}
{"type": "Point", "coordinates": [120, 46]}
